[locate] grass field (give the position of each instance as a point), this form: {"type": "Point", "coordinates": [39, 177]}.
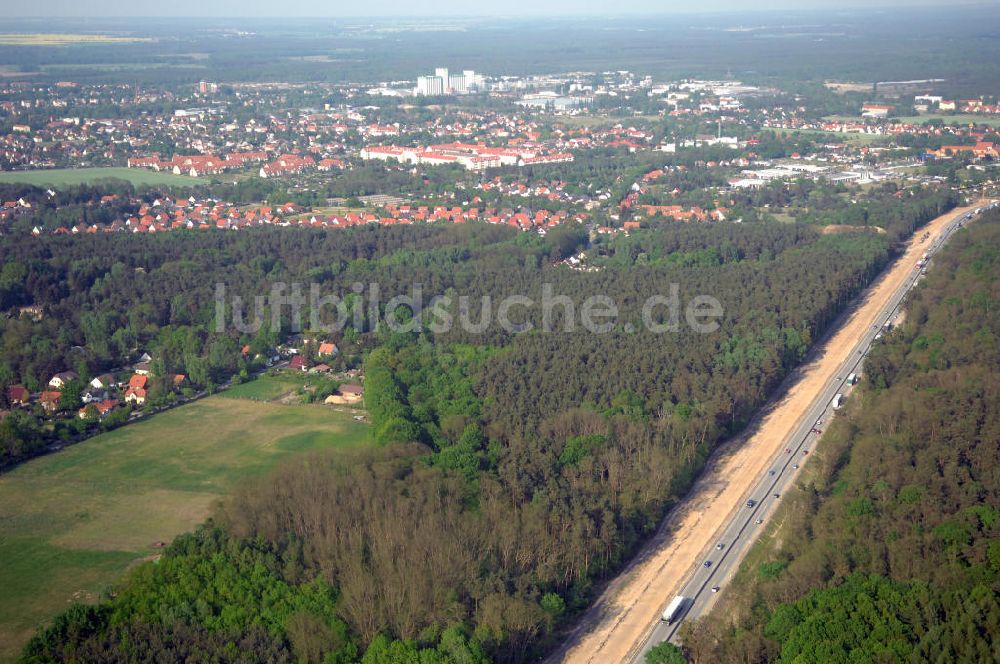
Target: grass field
{"type": "Point", "coordinates": [960, 119]}
{"type": "Point", "coordinates": [72, 522]}
{"type": "Point", "coordinates": [72, 176]}
{"type": "Point", "coordinates": [268, 388]}
{"type": "Point", "coordinates": [845, 136]}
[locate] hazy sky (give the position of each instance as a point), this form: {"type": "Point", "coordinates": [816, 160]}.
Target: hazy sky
{"type": "Point", "coordinates": [336, 8]}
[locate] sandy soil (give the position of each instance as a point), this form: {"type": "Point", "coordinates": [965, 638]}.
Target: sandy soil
{"type": "Point", "coordinates": [625, 612]}
{"type": "Point", "coordinates": [830, 229]}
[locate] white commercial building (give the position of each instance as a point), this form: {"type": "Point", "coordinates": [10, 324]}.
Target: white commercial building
{"type": "Point", "coordinates": [430, 85]}
{"type": "Point", "coordinates": [457, 84]}
{"type": "Point", "coordinates": [443, 82]}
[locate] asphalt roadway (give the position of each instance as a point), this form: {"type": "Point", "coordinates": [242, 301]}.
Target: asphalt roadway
{"type": "Point", "coordinates": [736, 538]}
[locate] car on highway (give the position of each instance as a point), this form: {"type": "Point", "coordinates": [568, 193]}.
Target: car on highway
{"type": "Point", "coordinates": [777, 495]}
{"type": "Point", "coordinates": [707, 563]}
{"type": "Point", "coordinates": [751, 502]}
{"type": "Point", "coordinates": [759, 521]}
{"type": "Point", "coordinates": [771, 472]}
{"type": "Point", "coordinates": [715, 589]}
{"type": "Point", "coordinates": [795, 466]}
{"type": "Point", "coordinates": [719, 546]}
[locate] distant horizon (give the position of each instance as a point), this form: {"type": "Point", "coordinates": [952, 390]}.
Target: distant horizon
{"type": "Point", "coordinates": [452, 9]}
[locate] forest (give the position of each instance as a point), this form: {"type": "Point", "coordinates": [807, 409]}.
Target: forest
{"type": "Point", "coordinates": [509, 473]}
{"type": "Point", "coordinates": [890, 550]}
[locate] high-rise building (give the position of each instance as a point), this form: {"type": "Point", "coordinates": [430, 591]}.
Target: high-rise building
{"type": "Point", "coordinates": [430, 85]}
{"type": "Point", "coordinates": [458, 84]}
{"type": "Point", "coordinates": [443, 82]}
{"type": "Point", "coordinates": [472, 82]}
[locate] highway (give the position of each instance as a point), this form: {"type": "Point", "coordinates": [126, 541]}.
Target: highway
{"type": "Point", "coordinates": [720, 560]}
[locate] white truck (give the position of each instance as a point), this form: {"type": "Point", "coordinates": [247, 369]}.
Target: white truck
{"type": "Point", "coordinates": [674, 609]}
{"type": "Point", "coordinates": [852, 379]}
{"type": "Point", "coordinates": [838, 401]}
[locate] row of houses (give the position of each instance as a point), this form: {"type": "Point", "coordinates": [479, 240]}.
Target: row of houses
{"type": "Point", "coordinates": [198, 165]}
{"type": "Point", "coordinates": [290, 215]}
{"type": "Point", "coordinates": [470, 156]}
{"type": "Point", "coordinates": [167, 215]}
{"type": "Point", "coordinates": [104, 392]}
{"type": "Point", "coordinates": [678, 213]}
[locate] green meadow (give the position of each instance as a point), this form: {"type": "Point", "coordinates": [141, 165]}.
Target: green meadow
{"type": "Point", "coordinates": [74, 521]}
{"type": "Point", "coordinates": [64, 177]}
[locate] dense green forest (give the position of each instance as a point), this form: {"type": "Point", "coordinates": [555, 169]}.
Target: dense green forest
{"type": "Point", "coordinates": [509, 471]}
{"type": "Point", "coordinates": [890, 551]}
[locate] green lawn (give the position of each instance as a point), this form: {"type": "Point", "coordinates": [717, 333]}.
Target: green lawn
{"type": "Point", "coordinates": [72, 522]}
{"type": "Point", "coordinates": [265, 388]}
{"type": "Point", "coordinates": [845, 136]}
{"type": "Point", "coordinates": [960, 119]}
{"type": "Point", "coordinates": [268, 388]}
{"type": "Point", "coordinates": [60, 177]}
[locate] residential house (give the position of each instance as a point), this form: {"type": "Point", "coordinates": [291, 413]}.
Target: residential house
{"type": "Point", "coordinates": [50, 400]}
{"type": "Point", "coordinates": [136, 395]}
{"type": "Point", "coordinates": [327, 348]}
{"type": "Point", "coordinates": [60, 379]}
{"type": "Point", "coordinates": [298, 362]}
{"type": "Point", "coordinates": [18, 395]}
{"type": "Point", "coordinates": [103, 382]}
{"type": "Point", "coordinates": [349, 393]}
{"type": "Point", "coordinates": [103, 408]}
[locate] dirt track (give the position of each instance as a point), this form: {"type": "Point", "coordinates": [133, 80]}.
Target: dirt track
{"type": "Point", "coordinates": [623, 614]}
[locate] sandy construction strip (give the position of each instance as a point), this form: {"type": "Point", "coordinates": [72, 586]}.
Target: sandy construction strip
{"type": "Point", "coordinates": [625, 613]}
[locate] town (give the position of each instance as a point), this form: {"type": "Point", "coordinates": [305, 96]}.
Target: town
{"type": "Point", "coordinates": [325, 155]}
